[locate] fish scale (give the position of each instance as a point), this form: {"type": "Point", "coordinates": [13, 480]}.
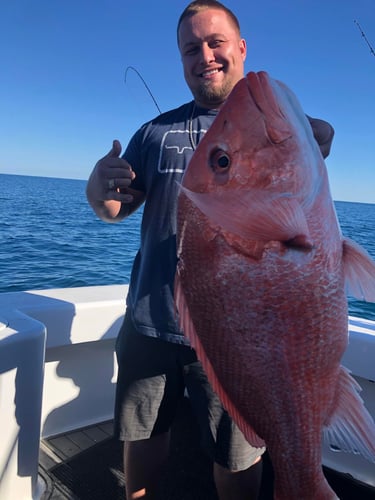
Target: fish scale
{"type": "Point", "coordinates": [260, 285]}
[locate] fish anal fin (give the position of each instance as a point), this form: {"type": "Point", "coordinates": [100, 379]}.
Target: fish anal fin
{"type": "Point", "coordinates": [359, 270]}
{"type": "Point", "coordinates": [351, 427]}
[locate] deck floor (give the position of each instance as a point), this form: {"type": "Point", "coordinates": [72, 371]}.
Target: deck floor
{"type": "Point", "coordinates": [57, 450]}
{"type": "Point", "coordinates": [96, 474]}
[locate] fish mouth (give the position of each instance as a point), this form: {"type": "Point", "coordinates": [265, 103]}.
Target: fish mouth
{"type": "Point", "coordinates": [262, 93]}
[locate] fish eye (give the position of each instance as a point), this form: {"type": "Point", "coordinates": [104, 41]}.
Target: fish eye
{"type": "Point", "coordinates": [220, 161]}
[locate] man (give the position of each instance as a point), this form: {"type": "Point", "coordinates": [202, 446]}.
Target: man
{"type": "Point", "coordinates": [156, 363]}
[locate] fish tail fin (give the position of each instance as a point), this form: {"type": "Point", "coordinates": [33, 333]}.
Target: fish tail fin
{"type": "Point", "coordinates": [351, 428]}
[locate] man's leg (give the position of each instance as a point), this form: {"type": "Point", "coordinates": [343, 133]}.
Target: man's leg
{"type": "Point", "coordinates": [144, 463]}
{"type": "Point", "coordinates": [149, 386]}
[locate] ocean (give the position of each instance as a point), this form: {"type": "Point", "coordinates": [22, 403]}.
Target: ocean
{"type": "Point", "coordinates": [50, 237]}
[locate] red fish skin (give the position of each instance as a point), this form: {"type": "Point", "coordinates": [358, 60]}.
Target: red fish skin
{"type": "Point", "coordinates": [267, 380]}
{"type": "Point", "coordinates": [268, 318]}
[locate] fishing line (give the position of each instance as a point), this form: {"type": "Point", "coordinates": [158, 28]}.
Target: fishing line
{"type": "Point", "coordinates": [144, 83]}
{"type": "Point", "coordinates": [365, 37]}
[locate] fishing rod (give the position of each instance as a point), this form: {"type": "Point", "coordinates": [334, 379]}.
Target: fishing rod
{"type": "Point", "coordinates": [365, 37]}
{"type": "Point", "coordinates": [144, 83]}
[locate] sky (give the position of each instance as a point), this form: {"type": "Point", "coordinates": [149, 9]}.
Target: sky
{"type": "Point", "coordinates": [64, 98]}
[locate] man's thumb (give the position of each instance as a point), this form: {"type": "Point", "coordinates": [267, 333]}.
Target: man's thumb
{"type": "Point", "coordinates": [116, 149]}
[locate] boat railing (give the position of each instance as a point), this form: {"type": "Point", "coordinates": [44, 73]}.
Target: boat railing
{"type": "Point", "coordinates": [58, 372]}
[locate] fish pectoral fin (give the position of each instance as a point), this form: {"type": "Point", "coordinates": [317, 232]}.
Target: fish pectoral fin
{"type": "Point", "coordinates": [351, 427]}
{"type": "Point", "coordinates": [359, 270]}
{"type": "Point", "coordinates": [255, 214]}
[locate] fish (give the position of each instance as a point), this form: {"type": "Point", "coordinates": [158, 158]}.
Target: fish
{"type": "Point", "coordinates": [261, 285]}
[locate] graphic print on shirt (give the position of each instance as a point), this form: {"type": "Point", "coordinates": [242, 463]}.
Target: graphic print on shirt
{"type": "Point", "coordinates": [173, 144]}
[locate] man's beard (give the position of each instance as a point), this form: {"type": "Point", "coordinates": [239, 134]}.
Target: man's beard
{"type": "Point", "coordinates": [213, 95]}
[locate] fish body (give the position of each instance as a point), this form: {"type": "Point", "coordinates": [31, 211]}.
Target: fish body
{"type": "Point", "coordinates": [261, 285]}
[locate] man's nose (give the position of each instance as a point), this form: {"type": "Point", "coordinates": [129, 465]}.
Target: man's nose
{"type": "Point", "coordinates": [207, 53]}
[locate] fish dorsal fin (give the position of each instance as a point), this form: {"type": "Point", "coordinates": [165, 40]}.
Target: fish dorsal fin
{"type": "Point", "coordinates": [189, 330]}
{"type": "Point", "coordinates": [359, 271]}
{"type": "Point", "coordinates": [255, 214]}
{"type": "Point", "coordinates": [351, 427]}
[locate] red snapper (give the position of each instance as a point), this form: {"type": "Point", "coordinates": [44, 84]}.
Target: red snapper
{"type": "Point", "coordinates": [261, 285]}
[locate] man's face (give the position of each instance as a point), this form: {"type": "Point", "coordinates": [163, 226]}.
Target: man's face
{"type": "Point", "coordinates": [213, 56]}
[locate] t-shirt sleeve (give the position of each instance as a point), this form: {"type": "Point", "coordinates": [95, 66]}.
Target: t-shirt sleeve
{"type": "Point", "coordinates": [133, 155]}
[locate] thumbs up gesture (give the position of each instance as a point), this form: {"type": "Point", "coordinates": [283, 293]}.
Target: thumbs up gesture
{"type": "Point", "coordinates": [116, 174]}
{"type": "Point", "coordinates": [108, 185]}
{"type": "Point", "coordinates": [111, 177]}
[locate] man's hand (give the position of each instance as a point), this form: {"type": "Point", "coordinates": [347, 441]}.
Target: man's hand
{"type": "Point", "coordinates": [112, 177]}
{"type": "Point", "coordinates": [108, 190]}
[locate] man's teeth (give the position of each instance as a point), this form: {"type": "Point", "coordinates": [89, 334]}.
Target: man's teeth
{"type": "Point", "coordinates": [211, 72]}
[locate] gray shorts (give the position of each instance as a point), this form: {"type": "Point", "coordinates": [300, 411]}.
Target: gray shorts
{"type": "Point", "coordinates": [152, 378]}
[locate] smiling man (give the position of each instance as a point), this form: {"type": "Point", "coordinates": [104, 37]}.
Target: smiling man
{"type": "Point", "coordinates": [156, 362]}
{"type": "Point", "coordinates": [212, 52]}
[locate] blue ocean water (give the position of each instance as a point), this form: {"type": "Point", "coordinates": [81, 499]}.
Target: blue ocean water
{"type": "Point", "coordinates": [50, 237]}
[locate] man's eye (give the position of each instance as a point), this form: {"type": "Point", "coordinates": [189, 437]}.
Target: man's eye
{"type": "Point", "coordinates": [191, 51]}
{"type": "Point", "coordinates": [215, 43]}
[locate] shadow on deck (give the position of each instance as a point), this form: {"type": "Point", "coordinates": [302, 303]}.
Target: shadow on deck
{"type": "Point", "coordinates": [87, 465]}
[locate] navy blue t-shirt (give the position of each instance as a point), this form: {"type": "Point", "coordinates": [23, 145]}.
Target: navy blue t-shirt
{"type": "Point", "coordinates": [159, 152]}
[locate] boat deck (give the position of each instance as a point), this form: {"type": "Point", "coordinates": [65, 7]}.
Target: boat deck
{"type": "Point", "coordinates": [87, 465]}
{"type": "Point", "coordinates": [57, 453]}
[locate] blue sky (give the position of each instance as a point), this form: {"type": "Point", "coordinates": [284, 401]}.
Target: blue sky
{"type": "Point", "coordinates": [63, 97]}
